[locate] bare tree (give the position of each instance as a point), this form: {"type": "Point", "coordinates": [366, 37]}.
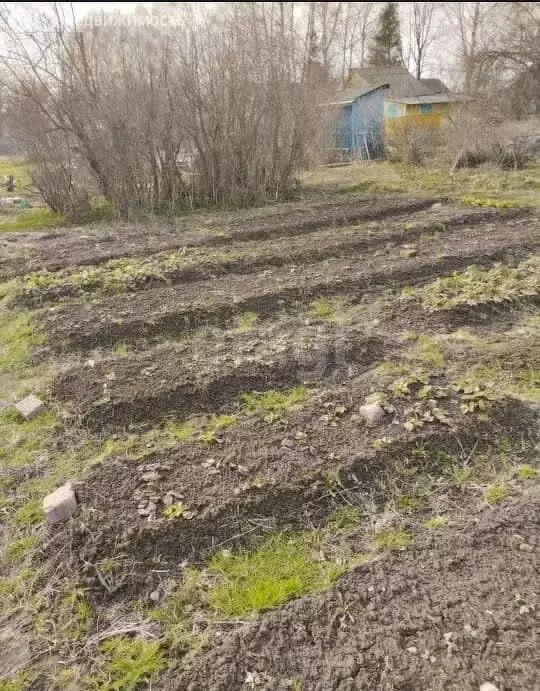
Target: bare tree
{"type": "Point", "coordinates": [356, 27]}
{"type": "Point", "coordinates": [513, 57]}
{"type": "Point", "coordinates": [471, 22]}
{"type": "Point", "coordinates": [421, 29]}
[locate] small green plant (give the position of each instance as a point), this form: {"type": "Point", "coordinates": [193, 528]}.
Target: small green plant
{"type": "Point", "coordinates": [130, 663]}
{"type": "Point", "coordinates": [496, 493]}
{"type": "Point", "coordinates": [393, 538]}
{"type": "Point", "coordinates": [423, 412]}
{"type": "Point", "coordinates": [274, 401]}
{"type": "Point", "coordinates": [19, 548]}
{"type": "Point", "coordinates": [323, 308]}
{"type": "Point", "coordinates": [281, 569]}
{"type": "Point", "coordinates": [526, 472]}
{"type": "Point", "coordinates": [248, 321]}
{"type": "Point", "coordinates": [460, 474]}
{"type": "Point", "coordinates": [174, 511]}
{"type": "Point", "coordinates": [436, 522]}
{"type": "Point", "coordinates": [476, 397]}
{"type": "Point", "coordinates": [120, 350]}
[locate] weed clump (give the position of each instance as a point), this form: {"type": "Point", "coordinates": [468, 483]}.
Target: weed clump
{"type": "Point", "coordinates": [130, 662]}
{"type": "Point", "coordinates": [481, 286]}
{"type": "Point", "coordinates": [281, 569]}
{"type": "Point", "coordinates": [392, 538]}
{"type": "Point", "coordinates": [274, 401]}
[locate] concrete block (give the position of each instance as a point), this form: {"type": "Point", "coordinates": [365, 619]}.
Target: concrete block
{"type": "Point", "coordinates": [30, 407]}
{"type": "Point", "coordinates": [61, 504]}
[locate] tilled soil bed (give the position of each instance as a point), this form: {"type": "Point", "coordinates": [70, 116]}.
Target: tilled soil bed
{"type": "Point", "coordinates": [25, 253]}
{"type": "Point", "coordinates": [172, 311]}
{"type": "Point", "coordinates": [454, 612]}
{"type": "Point", "coordinates": [252, 256]}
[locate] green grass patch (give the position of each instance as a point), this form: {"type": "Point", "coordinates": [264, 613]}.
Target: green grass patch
{"type": "Point", "coordinates": [247, 322]}
{"type": "Point", "coordinates": [20, 682]}
{"type": "Point", "coordinates": [30, 513]}
{"type": "Point", "coordinates": [323, 308]}
{"type": "Point", "coordinates": [274, 401]}
{"type": "Point", "coordinates": [427, 350]}
{"type": "Point", "coordinates": [526, 472]}
{"type": "Point", "coordinates": [436, 522]}
{"type": "Point", "coordinates": [130, 663]}
{"type": "Point", "coordinates": [281, 569]}
{"type": "Point", "coordinates": [496, 493]}
{"type": "Point", "coordinates": [17, 549]}
{"type": "Point", "coordinates": [19, 335]}
{"type": "Point", "coordinates": [477, 286]}
{"type": "Point", "coordinates": [393, 538]}
{"type": "Point", "coordinates": [21, 440]}
{"type": "Point", "coordinates": [494, 203]}
{"type": "Point", "coordinates": [520, 186]}
{"type": "Point", "coordinates": [31, 219]}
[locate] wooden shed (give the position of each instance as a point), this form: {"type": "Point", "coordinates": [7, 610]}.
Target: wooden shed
{"type": "Point", "coordinates": [357, 121]}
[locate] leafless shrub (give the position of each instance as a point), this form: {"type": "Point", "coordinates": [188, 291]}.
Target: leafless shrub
{"type": "Point", "coordinates": [408, 142]}
{"type": "Point", "coordinates": [217, 110]}
{"type": "Point", "coordinates": [475, 139]}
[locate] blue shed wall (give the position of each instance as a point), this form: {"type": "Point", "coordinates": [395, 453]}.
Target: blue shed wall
{"type": "Point", "coordinates": [367, 117]}
{"type": "Point", "coordinates": [344, 129]}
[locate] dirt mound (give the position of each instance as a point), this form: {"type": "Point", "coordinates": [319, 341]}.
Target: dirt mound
{"type": "Point", "coordinates": [452, 613]}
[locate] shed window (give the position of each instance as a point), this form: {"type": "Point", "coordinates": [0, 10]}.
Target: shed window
{"type": "Point", "coordinates": [425, 108]}
{"type": "Point", "coordinates": [392, 110]}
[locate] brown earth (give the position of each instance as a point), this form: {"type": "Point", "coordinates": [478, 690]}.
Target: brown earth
{"type": "Point", "coordinates": [212, 369]}
{"type": "Point", "coordinates": [454, 612]}
{"type": "Point", "coordinates": [451, 612]}
{"type": "Point", "coordinates": [254, 255]}
{"type": "Point", "coordinates": [28, 252]}
{"type": "Point", "coordinates": [178, 309]}
{"type": "Point", "coordinates": [262, 476]}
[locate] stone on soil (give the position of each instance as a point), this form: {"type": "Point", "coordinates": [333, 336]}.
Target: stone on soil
{"type": "Point", "coordinates": [372, 413]}
{"type": "Point", "coordinates": [30, 407]}
{"type": "Point", "coordinates": [487, 686]}
{"type": "Point", "coordinates": [61, 504]}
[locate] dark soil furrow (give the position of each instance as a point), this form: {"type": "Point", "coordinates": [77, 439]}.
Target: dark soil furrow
{"type": "Point", "coordinates": [256, 255]}
{"type": "Point", "coordinates": [207, 373]}
{"type": "Point", "coordinates": [267, 476]}
{"type": "Point", "coordinates": [453, 612]}
{"type": "Point", "coordinates": [150, 389]}
{"type": "Point", "coordinates": [36, 251]}
{"type": "Point", "coordinates": [172, 311]}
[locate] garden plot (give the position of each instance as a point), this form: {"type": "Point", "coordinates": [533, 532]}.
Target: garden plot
{"type": "Point", "coordinates": [165, 312]}
{"type": "Point", "coordinates": [62, 248]}
{"type": "Point", "coordinates": [192, 263]}
{"type": "Point", "coordinates": [235, 493]}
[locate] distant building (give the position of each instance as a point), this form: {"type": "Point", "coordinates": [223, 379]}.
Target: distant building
{"type": "Point", "coordinates": [357, 122]}
{"type": "Point", "coordinates": [407, 100]}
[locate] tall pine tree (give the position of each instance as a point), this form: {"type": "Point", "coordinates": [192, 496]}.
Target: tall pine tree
{"type": "Point", "coordinates": [387, 45]}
